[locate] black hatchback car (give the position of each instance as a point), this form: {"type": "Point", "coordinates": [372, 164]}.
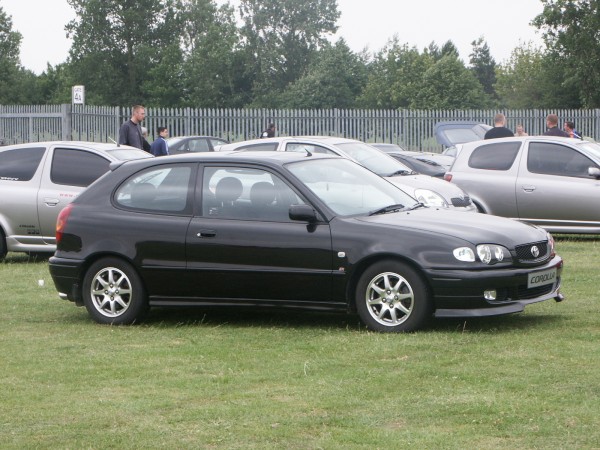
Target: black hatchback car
{"type": "Point", "coordinates": [289, 230]}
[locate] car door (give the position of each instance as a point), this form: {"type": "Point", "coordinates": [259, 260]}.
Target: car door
{"type": "Point", "coordinates": [243, 246]}
{"type": "Point", "coordinates": [554, 187]}
{"type": "Point", "coordinates": [71, 170]}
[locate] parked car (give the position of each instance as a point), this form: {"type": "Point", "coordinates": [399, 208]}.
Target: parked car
{"type": "Point", "coordinates": [287, 229]}
{"type": "Point", "coordinates": [417, 161]}
{"type": "Point", "coordinates": [37, 180]}
{"type": "Point", "coordinates": [430, 191]}
{"type": "Point", "coordinates": [184, 144]}
{"type": "Point", "coordinates": [548, 181]}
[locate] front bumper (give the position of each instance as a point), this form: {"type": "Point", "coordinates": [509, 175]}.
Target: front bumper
{"type": "Point", "coordinates": [460, 293]}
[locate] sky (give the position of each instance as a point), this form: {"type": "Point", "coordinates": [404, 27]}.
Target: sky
{"type": "Point", "coordinates": [363, 24]}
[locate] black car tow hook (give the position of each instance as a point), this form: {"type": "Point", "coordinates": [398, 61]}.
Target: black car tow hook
{"type": "Point", "coordinates": [559, 297]}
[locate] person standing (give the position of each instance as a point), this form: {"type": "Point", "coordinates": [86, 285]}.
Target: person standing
{"type": "Point", "coordinates": [520, 131]}
{"type": "Point", "coordinates": [569, 128]}
{"type": "Point", "coordinates": [131, 131]}
{"type": "Point", "coordinates": [552, 127]}
{"type": "Point", "coordinates": [159, 146]}
{"type": "Point", "coordinates": [499, 130]}
{"type": "Point", "coordinates": [269, 132]}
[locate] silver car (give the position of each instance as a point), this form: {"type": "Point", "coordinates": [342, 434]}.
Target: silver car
{"type": "Point", "coordinates": [549, 181]}
{"type": "Point", "coordinates": [38, 179]}
{"type": "Point", "coordinates": [430, 191]}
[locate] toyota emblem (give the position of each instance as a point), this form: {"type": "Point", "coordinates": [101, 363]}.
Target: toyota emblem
{"type": "Point", "coordinates": [535, 251]}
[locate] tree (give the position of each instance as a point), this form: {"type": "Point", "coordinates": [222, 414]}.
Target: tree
{"type": "Point", "coordinates": [395, 76]}
{"type": "Point", "coordinates": [483, 66]}
{"type": "Point", "coordinates": [281, 37]}
{"type": "Point", "coordinates": [571, 32]}
{"type": "Point", "coordinates": [532, 78]}
{"type": "Point", "coordinates": [10, 44]}
{"type": "Point", "coordinates": [334, 80]}
{"type": "Point", "coordinates": [212, 60]}
{"type": "Point", "coordinates": [116, 43]}
{"type": "Point", "coordinates": [448, 84]}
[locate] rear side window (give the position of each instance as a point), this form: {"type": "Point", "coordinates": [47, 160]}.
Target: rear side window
{"type": "Point", "coordinates": [162, 189]}
{"type": "Point", "coordinates": [77, 167]}
{"type": "Point", "coordinates": [556, 159]}
{"type": "Point", "coordinates": [500, 156]}
{"type": "Point", "coordinates": [20, 164]}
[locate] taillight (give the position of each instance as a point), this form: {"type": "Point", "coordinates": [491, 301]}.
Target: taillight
{"type": "Point", "coordinates": [61, 222]}
{"type": "Point", "coordinates": [448, 176]}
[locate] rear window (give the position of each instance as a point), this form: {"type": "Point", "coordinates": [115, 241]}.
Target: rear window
{"type": "Point", "coordinates": [500, 156]}
{"type": "Point", "coordinates": [20, 164]}
{"type": "Point", "coordinates": [127, 154]}
{"type": "Point", "coordinates": [266, 147]}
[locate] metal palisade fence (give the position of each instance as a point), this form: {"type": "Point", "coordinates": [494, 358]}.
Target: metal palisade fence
{"type": "Point", "coordinates": [412, 129]}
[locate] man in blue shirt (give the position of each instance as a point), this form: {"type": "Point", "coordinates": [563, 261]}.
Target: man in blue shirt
{"type": "Point", "coordinates": [159, 146]}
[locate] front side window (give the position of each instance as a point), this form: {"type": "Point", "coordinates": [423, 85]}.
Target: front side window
{"type": "Point", "coordinates": [246, 193]}
{"type": "Point", "coordinates": [555, 159]}
{"type": "Point", "coordinates": [77, 167]}
{"type": "Point", "coordinates": [163, 189]}
{"type": "Point", "coordinates": [20, 164]}
{"type": "Point", "coordinates": [499, 156]}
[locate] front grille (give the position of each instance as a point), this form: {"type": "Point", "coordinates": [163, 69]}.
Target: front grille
{"type": "Point", "coordinates": [526, 254]}
{"type": "Point", "coordinates": [460, 201]}
{"type": "Point", "coordinates": [523, 293]}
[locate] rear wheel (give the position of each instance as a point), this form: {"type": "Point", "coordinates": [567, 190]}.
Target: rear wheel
{"type": "Point", "coordinates": [113, 292]}
{"type": "Point", "coordinates": [2, 245]}
{"type": "Point", "coordinates": [392, 297]}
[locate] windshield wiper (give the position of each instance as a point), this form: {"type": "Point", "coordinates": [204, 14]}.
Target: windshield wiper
{"type": "Point", "coordinates": [401, 172]}
{"type": "Point", "coordinates": [417, 205]}
{"type": "Point", "coordinates": [386, 209]}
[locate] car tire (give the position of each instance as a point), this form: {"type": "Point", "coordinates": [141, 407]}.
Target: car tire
{"type": "Point", "coordinates": [391, 296]}
{"type": "Point", "coordinates": [3, 250]}
{"type": "Point", "coordinates": [113, 293]}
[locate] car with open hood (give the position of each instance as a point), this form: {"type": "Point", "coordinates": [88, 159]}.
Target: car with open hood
{"type": "Point", "coordinates": [294, 231]}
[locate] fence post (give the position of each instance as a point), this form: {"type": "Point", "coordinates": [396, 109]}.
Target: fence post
{"type": "Point", "coordinates": [66, 112]}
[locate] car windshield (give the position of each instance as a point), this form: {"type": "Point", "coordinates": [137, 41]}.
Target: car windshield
{"type": "Point", "coordinates": [591, 147]}
{"type": "Point", "coordinates": [126, 154]}
{"type": "Point", "coordinates": [349, 189]}
{"type": "Point", "coordinates": [373, 159]}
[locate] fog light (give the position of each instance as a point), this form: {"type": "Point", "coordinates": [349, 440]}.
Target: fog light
{"type": "Point", "coordinates": [490, 295]}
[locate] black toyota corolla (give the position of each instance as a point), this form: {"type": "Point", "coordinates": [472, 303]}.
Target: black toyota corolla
{"type": "Point", "coordinates": [280, 229]}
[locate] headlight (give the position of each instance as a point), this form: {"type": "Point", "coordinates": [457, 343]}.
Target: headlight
{"type": "Point", "coordinates": [430, 198]}
{"type": "Point", "coordinates": [551, 245]}
{"type": "Point", "coordinates": [464, 254]}
{"type": "Point", "coordinates": [487, 254]}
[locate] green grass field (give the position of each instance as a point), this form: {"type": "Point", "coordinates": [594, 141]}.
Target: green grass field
{"type": "Point", "coordinates": [229, 379]}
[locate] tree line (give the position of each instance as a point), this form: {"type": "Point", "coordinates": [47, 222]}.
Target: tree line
{"type": "Point", "coordinates": [279, 54]}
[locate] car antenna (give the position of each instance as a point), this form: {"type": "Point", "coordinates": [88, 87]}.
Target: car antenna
{"type": "Point", "coordinates": [308, 153]}
{"type": "Point", "coordinates": [114, 142]}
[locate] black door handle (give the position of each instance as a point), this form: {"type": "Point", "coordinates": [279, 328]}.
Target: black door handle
{"type": "Point", "coordinates": [206, 233]}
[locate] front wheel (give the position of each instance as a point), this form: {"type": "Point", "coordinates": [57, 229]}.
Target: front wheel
{"type": "Point", "coordinates": [3, 250]}
{"type": "Point", "coordinates": [392, 297]}
{"type": "Point", "coordinates": [113, 292]}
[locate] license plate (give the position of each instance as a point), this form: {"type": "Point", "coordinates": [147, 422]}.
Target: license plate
{"type": "Point", "coordinates": [536, 279]}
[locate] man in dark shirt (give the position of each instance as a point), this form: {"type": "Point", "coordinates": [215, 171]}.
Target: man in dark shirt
{"type": "Point", "coordinates": [131, 131]}
{"type": "Point", "coordinates": [552, 124]}
{"type": "Point", "coordinates": [499, 130]}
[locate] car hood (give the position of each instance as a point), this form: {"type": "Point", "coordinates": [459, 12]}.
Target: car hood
{"type": "Point", "coordinates": [409, 183]}
{"type": "Point", "coordinates": [459, 132]}
{"type": "Point", "coordinates": [473, 228]}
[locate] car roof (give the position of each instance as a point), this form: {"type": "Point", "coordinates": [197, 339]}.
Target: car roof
{"type": "Point", "coordinates": [85, 144]}
{"type": "Point", "coordinates": [317, 139]}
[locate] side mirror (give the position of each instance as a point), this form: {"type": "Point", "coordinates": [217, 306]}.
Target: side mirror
{"type": "Point", "coordinates": [305, 213]}
{"type": "Point", "coordinates": [594, 172]}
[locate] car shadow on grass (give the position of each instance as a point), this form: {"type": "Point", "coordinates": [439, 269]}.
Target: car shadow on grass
{"type": "Point", "coordinates": [350, 322]}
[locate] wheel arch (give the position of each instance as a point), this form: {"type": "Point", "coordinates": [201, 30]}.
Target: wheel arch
{"type": "Point", "coordinates": [367, 262]}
